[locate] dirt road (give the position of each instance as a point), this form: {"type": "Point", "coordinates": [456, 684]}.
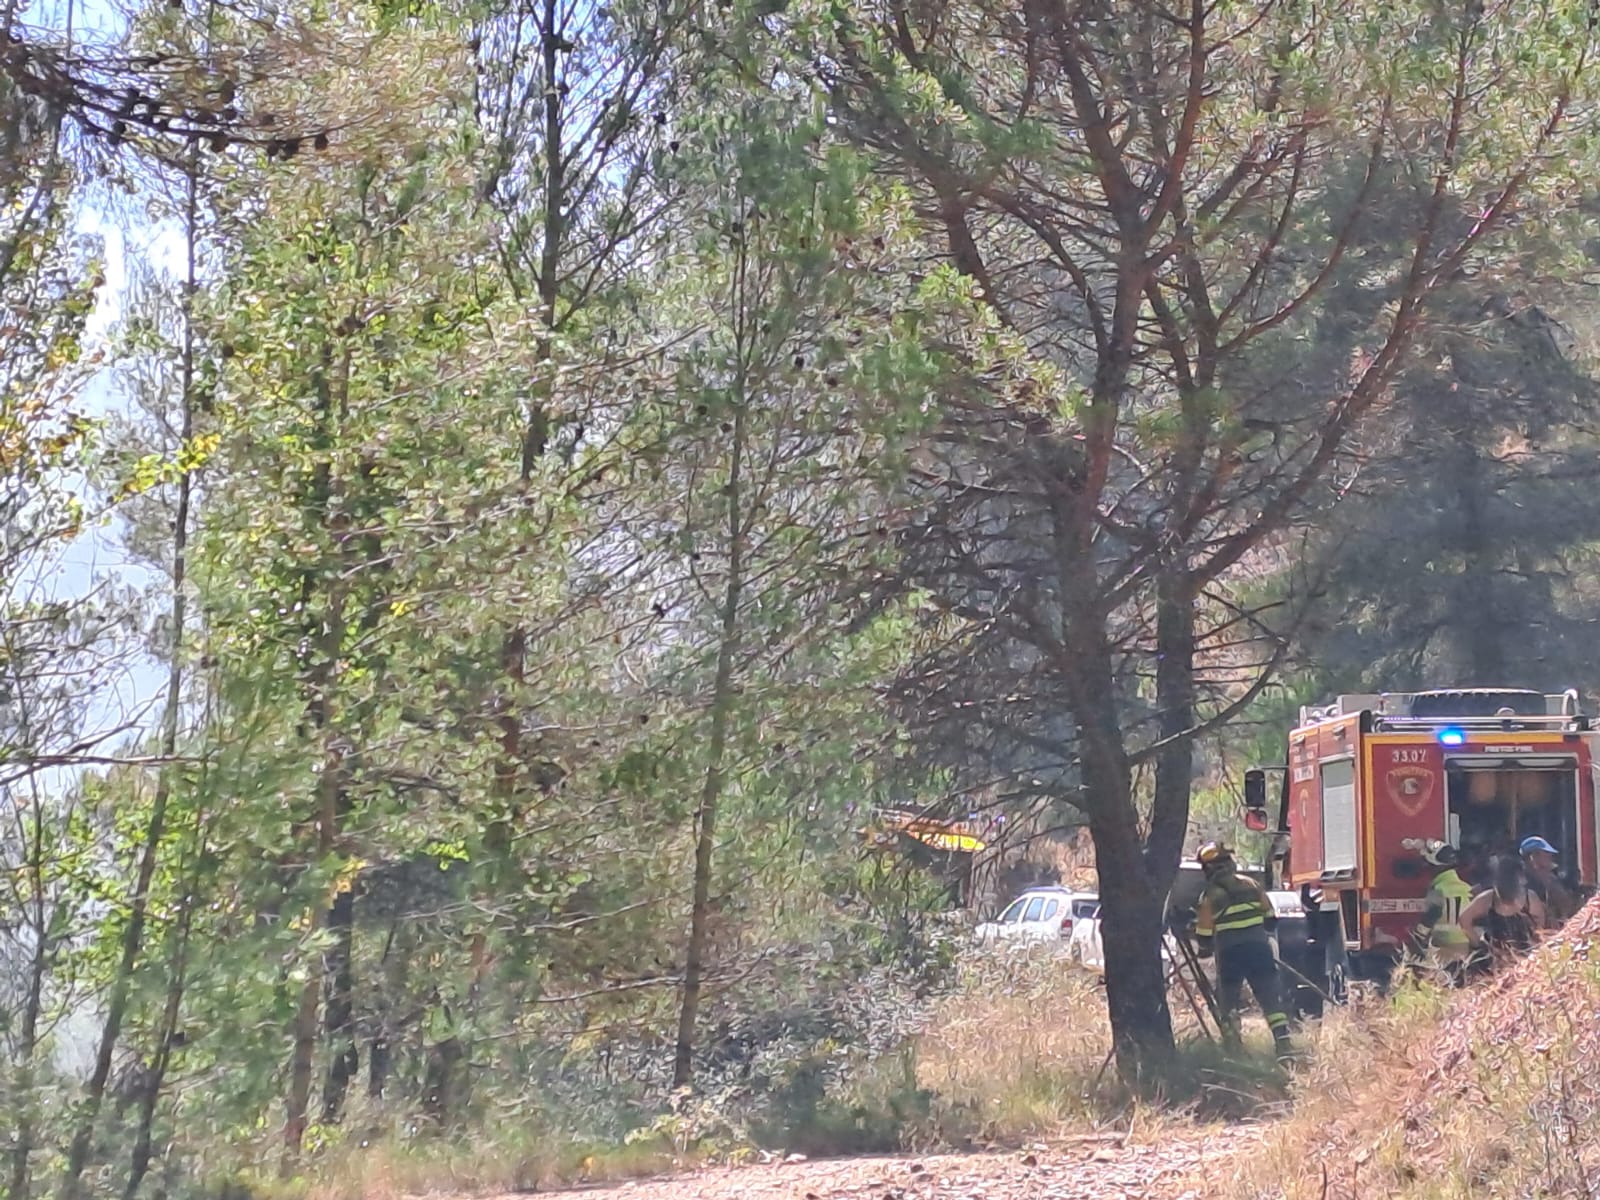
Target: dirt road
{"type": "Point", "coordinates": [1087, 1171]}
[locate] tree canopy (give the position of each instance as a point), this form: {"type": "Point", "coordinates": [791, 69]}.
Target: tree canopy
{"type": "Point", "coordinates": [595, 461]}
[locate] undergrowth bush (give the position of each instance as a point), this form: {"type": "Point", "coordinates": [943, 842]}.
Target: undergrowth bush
{"type": "Point", "coordinates": [1426, 1094]}
{"type": "Point", "coordinates": [1008, 1049]}
{"type": "Point", "coordinates": [809, 1053]}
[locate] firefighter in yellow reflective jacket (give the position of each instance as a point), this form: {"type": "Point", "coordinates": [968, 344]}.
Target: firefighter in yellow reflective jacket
{"type": "Point", "coordinates": [1233, 921]}
{"type": "Point", "coordinates": [1438, 936]}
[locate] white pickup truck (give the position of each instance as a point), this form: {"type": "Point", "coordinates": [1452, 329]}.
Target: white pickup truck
{"type": "Point", "coordinates": [1085, 945]}
{"type": "Point", "coordinates": [1042, 914]}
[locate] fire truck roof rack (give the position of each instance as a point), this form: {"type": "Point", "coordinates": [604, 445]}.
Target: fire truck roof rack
{"type": "Point", "coordinates": [1468, 708]}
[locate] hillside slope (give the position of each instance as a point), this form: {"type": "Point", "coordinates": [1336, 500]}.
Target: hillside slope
{"type": "Point", "coordinates": [1484, 1093]}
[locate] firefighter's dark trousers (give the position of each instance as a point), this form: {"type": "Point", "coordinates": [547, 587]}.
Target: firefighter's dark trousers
{"type": "Point", "coordinates": [1251, 962]}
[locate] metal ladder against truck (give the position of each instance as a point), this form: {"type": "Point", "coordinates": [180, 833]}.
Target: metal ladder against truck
{"type": "Point", "coordinates": [1368, 778]}
{"type": "Point", "coordinates": [1298, 954]}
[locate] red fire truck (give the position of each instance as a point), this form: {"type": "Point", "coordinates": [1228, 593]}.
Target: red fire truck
{"type": "Point", "coordinates": [1371, 779]}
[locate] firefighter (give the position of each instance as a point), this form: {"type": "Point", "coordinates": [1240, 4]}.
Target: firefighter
{"type": "Point", "coordinates": [1539, 858]}
{"type": "Point", "coordinates": [1503, 922]}
{"type": "Point", "coordinates": [1232, 921]}
{"type": "Point", "coordinates": [1439, 936]}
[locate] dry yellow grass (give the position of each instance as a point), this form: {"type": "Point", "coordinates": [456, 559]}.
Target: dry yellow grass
{"type": "Point", "coordinates": [494, 1162]}
{"type": "Point", "coordinates": [1448, 1096]}
{"type": "Point", "coordinates": [1357, 1062]}
{"type": "Point", "coordinates": [1021, 1048]}
{"type": "Point", "coordinates": [1017, 1045]}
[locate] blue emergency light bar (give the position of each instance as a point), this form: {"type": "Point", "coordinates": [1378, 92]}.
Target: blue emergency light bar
{"type": "Point", "coordinates": [1452, 735]}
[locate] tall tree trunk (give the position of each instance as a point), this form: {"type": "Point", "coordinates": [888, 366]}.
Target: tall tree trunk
{"type": "Point", "coordinates": [1132, 908]}
{"type": "Point", "coordinates": [172, 1007]}
{"type": "Point", "coordinates": [155, 827]}
{"type": "Point", "coordinates": [340, 1024]}
{"type": "Point", "coordinates": [328, 646]}
{"type": "Point", "coordinates": [536, 426]}
{"type": "Point", "coordinates": [1133, 903]}
{"type": "Point", "coordinates": [167, 1035]}
{"type": "Point", "coordinates": [378, 1064]}
{"type": "Point", "coordinates": [305, 1023]}
{"type": "Point", "coordinates": [535, 441]}
{"type": "Point", "coordinates": [378, 1050]}
{"type": "Point", "coordinates": [1133, 900]}
{"type": "Point", "coordinates": [299, 1095]}
{"type": "Point", "coordinates": [27, 1045]}
{"type": "Point", "coordinates": [1136, 870]}
{"type": "Point", "coordinates": [722, 698]}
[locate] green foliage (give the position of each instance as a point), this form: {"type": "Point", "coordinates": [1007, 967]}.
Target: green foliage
{"type": "Point", "coordinates": [645, 441]}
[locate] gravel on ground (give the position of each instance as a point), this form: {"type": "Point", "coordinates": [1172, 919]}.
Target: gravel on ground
{"type": "Point", "coordinates": [1099, 1168]}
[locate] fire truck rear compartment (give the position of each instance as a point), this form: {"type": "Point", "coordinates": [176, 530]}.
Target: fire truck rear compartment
{"type": "Point", "coordinates": [1494, 803]}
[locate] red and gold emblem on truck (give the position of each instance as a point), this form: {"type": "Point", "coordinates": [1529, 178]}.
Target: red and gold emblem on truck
{"type": "Point", "coordinates": [1410, 787]}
